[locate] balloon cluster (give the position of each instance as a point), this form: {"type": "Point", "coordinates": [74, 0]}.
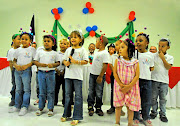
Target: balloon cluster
{"type": "Point", "coordinates": [92, 30]}
{"type": "Point", "coordinates": [88, 8]}
{"type": "Point", "coordinates": [132, 16]}
{"type": "Point", "coordinates": [56, 12]}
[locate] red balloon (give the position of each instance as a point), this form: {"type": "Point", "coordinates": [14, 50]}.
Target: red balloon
{"type": "Point", "coordinates": [131, 17]}
{"type": "Point", "coordinates": [57, 16]}
{"type": "Point", "coordinates": [88, 4]}
{"type": "Point", "coordinates": [91, 10]}
{"type": "Point", "coordinates": [92, 33]}
{"type": "Point", "coordinates": [55, 11]}
{"type": "Point", "coordinates": [132, 13]}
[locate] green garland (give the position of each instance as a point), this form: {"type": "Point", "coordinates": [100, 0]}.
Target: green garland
{"type": "Point", "coordinates": [129, 28]}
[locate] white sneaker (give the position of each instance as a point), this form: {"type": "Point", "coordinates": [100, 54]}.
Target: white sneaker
{"type": "Point", "coordinates": [38, 112]}
{"type": "Point", "coordinates": [50, 113]}
{"type": "Point", "coordinates": [13, 109]}
{"type": "Point", "coordinates": [23, 111]}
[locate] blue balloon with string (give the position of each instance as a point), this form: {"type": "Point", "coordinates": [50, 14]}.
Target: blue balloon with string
{"type": "Point", "coordinates": [85, 10]}
{"type": "Point", "coordinates": [60, 10]}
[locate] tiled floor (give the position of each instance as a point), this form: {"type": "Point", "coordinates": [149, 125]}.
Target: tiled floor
{"type": "Point", "coordinates": [30, 119]}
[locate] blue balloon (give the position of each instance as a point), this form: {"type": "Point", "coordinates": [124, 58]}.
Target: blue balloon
{"type": "Point", "coordinates": [134, 19]}
{"type": "Point", "coordinates": [60, 10]}
{"type": "Point", "coordinates": [94, 28]}
{"type": "Point", "coordinates": [88, 28]}
{"type": "Point", "coordinates": [52, 11]}
{"type": "Point", "coordinates": [85, 10]}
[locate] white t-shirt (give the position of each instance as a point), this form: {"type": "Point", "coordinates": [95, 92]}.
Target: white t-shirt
{"type": "Point", "coordinates": [113, 58]}
{"type": "Point", "coordinates": [75, 71]}
{"type": "Point", "coordinates": [10, 56]}
{"type": "Point", "coordinates": [100, 57]}
{"type": "Point", "coordinates": [47, 57]}
{"type": "Point", "coordinates": [160, 73]}
{"type": "Point", "coordinates": [146, 60]}
{"type": "Point", "coordinates": [60, 67]}
{"type": "Point", "coordinates": [24, 55]}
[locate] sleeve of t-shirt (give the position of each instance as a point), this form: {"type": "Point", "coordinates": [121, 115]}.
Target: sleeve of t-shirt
{"type": "Point", "coordinates": [15, 55]}
{"type": "Point", "coordinates": [111, 60]}
{"type": "Point", "coordinates": [152, 60]}
{"type": "Point", "coordinates": [9, 56]}
{"type": "Point", "coordinates": [34, 52]}
{"type": "Point", "coordinates": [85, 55]}
{"type": "Point", "coordinates": [58, 57]}
{"type": "Point", "coordinates": [37, 56]}
{"type": "Point", "coordinates": [170, 60]}
{"type": "Point", "coordinates": [106, 57]}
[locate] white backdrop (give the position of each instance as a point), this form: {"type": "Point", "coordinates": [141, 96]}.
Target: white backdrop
{"type": "Point", "coordinates": [173, 97]}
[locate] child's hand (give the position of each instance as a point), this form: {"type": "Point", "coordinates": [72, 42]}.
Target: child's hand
{"type": "Point", "coordinates": [18, 67]}
{"type": "Point", "coordinates": [24, 67]}
{"type": "Point", "coordinates": [50, 65]}
{"type": "Point", "coordinates": [99, 80]}
{"type": "Point", "coordinates": [125, 89]}
{"type": "Point", "coordinates": [161, 55]}
{"type": "Point", "coordinates": [72, 60]}
{"type": "Point", "coordinates": [43, 65]}
{"type": "Point", "coordinates": [67, 63]}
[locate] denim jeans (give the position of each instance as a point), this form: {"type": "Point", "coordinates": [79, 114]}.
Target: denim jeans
{"type": "Point", "coordinates": [78, 106]}
{"type": "Point", "coordinates": [145, 93]}
{"type": "Point", "coordinates": [23, 88]}
{"type": "Point", "coordinates": [47, 83]}
{"type": "Point", "coordinates": [13, 90]}
{"type": "Point", "coordinates": [95, 91]}
{"type": "Point", "coordinates": [159, 89]}
{"type": "Point", "coordinates": [37, 85]}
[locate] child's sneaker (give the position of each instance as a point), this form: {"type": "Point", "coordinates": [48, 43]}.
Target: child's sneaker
{"type": "Point", "coordinates": [99, 112]}
{"type": "Point", "coordinates": [50, 113]}
{"type": "Point", "coordinates": [136, 122]}
{"type": "Point", "coordinates": [148, 123]}
{"type": "Point", "coordinates": [153, 115]}
{"type": "Point", "coordinates": [36, 102]}
{"type": "Point", "coordinates": [12, 103]}
{"type": "Point", "coordinates": [23, 111]}
{"type": "Point", "coordinates": [38, 112]}
{"type": "Point", "coordinates": [163, 118]}
{"type": "Point", "coordinates": [91, 111]}
{"type": "Point", "coordinates": [13, 109]}
{"type": "Point", "coordinates": [111, 110]}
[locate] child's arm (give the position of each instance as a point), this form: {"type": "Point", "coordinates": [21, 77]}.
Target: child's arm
{"type": "Point", "coordinates": [11, 65]}
{"type": "Point", "coordinates": [18, 67]}
{"type": "Point", "coordinates": [100, 77]}
{"type": "Point", "coordinates": [111, 67]}
{"type": "Point", "coordinates": [126, 88]}
{"type": "Point", "coordinates": [116, 75]}
{"type": "Point", "coordinates": [24, 67]}
{"type": "Point", "coordinates": [66, 63]}
{"type": "Point", "coordinates": [166, 64]}
{"type": "Point", "coordinates": [52, 65]}
{"type": "Point", "coordinates": [80, 62]}
{"type": "Point", "coordinates": [38, 64]}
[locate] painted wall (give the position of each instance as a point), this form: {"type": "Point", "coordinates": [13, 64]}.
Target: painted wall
{"type": "Point", "coordinates": [159, 16]}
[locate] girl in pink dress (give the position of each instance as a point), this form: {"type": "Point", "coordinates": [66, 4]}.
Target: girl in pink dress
{"type": "Point", "coordinates": [126, 84]}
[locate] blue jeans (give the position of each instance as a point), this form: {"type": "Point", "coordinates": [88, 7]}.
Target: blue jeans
{"type": "Point", "coordinates": [78, 106]}
{"type": "Point", "coordinates": [13, 90]}
{"type": "Point", "coordinates": [23, 88]}
{"type": "Point", "coordinates": [95, 91]}
{"type": "Point", "coordinates": [47, 84]}
{"type": "Point", "coordinates": [159, 89]}
{"type": "Point", "coordinates": [145, 93]}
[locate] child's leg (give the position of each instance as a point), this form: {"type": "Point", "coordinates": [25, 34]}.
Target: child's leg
{"type": "Point", "coordinates": [50, 83]}
{"type": "Point", "coordinates": [118, 114]}
{"type": "Point", "coordinates": [57, 87]}
{"type": "Point", "coordinates": [78, 106]}
{"type": "Point", "coordinates": [13, 90]}
{"type": "Point", "coordinates": [68, 91]}
{"type": "Point", "coordinates": [155, 93]}
{"type": "Point", "coordinates": [19, 89]}
{"type": "Point", "coordinates": [63, 89]}
{"type": "Point", "coordinates": [162, 97]}
{"type": "Point", "coordinates": [26, 79]}
{"type": "Point", "coordinates": [42, 89]}
{"type": "Point", "coordinates": [130, 116]}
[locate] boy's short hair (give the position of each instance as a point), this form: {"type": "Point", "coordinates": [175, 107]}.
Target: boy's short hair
{"type": "Point", "coordinates": [104, 40]}
{"type": "Point", "coordinates": [166, 40]}
{"type": "Point", "coordinates": [91, 44]}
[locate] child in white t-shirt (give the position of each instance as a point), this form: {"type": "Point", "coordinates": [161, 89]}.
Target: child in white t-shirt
{"type": "Point", "coordinates": [146, 63]}
{"type": "Point", "coordinates": [47, 60]}
{"type": "Point", "coordinates": [74, 57]}
{"type": "Point", "coordinates": [97, 76]}
{"type": "Point", "coordinates": [23, 60]}
{"type": "Point", "coordinates": [10, 58]}
{"type": "Point", "coordinates": [160, 79]}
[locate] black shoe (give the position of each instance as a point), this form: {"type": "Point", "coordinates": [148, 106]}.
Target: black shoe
{"type": "Point", "coordinates": [12, 103]}
{"type": "Point", "coordinates": [111, 110]}
{"type": "Point", "coordinates": [99, 112]}
{"type": "Point", "coordinates": [153, 115]}
{"type": "Point", "coordinates": [91, 111]}
{"type": "Point", "coordinates": [163, 118]}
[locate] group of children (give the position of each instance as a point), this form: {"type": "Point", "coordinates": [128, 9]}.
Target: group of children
{"type": "Point", "coordinates": [135, 73]}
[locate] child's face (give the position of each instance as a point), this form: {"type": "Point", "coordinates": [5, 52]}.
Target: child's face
{"type": "Point", "coordinates": [91, 48]}
{"type": "Point", "coordinates": [25, 40]}
{"type": "Point", "coordinates": [111, 50]}
{"type": "Point", "coordinates": [16, 41]}
{"type": "Point", "coordinates": [98, 43]}
{"type": "Point", "coordinates": [75, 40]}
{"type": "Point", "coordinates": [163, 46]}
{"type": "Point", "coordinates": [141, 43]}
{"type": "Point", "coordinates": [123, 50]}
{"type": "Point", "coordinates": [117, 45]}
{"type": "Point", "coordinates": [48, 43]}
{"type": "Point", "coordinates": [63, 45]}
